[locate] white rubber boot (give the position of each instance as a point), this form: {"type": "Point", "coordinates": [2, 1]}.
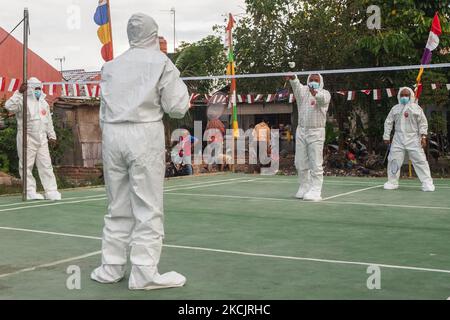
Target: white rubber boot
{"type": "Point", "coordinates": [53, 196]}
{"type": "Point", "coordinates": [428, 187]}
{"type": "Point", "coordinates": [147, 278]}
{"type": "Point", "coordinates": [390, 186]}
{"type": "Point", "coordinates": [313, 196]}
{"type": "Point", "coordinates": [302, 191]}
{"type": "Point", "coordinates": [34, 196]}
{"type": "Point", "coordinates": [108, 273]}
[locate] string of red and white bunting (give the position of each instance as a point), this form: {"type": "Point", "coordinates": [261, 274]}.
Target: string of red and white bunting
{"type": "Point", "coordinates": [92, 90]}
{"type": "Point", "coordinates": [351, 95]}
{"type": "Point", "coordinates": [88, 90]}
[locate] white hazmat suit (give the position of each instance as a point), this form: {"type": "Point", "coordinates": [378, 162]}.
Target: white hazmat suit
{"type": "Point", "coordinates": [39, 130]}
{"type": "Point", "coordinates": [136, 89]}
{"type": "Point", "coordinates": [410, 126]}
{"type": "Point", "coordinates": [310, 138]}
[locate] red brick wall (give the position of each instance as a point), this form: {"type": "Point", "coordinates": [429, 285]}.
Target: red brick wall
{"type": "Point", "coordinates": [79, 174]}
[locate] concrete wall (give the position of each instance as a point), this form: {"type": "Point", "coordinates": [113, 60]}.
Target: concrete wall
{"type": "Point", "coordinates": [79, 175]}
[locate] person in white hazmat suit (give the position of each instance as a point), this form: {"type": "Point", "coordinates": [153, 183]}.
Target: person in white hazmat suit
{"type": "Point", "coordinates": [136, 89]}
{"type": "Point", "coordinates": [40, 133]}
{"type": "Point", "coordinates": [411, 130]}
{"type": "Point", "coordinates": [313, 102]}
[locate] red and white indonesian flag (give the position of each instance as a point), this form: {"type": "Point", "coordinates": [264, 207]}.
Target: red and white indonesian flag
{"type": "Point", "coordinates": [51, 89]}
{"type": "Point", "coordinates": [377, 94]}
{"type": "Point", "coordinates": [233, 100]}
{"type": "Point", "coordinates": [228, 34]}
{"type": "Point", "coordinates": [218, 99]}
{"type": "Point", "coordinates": [433, 40]}
{"type": "Point", "coordinates": [193, 97]}
{"type": "Point", "coordinates": [2, 84]}
{"type": "Point", "coordinates": [87, 91]}
{"type": "Point", "coordinates": [351, 95]}
{"type": "Point", "coordinates": [214, 99]}
{"type": "Point", "coordinates": [270, 98]}
{"type": "Point", "coordinates": [366, 92]}
{"type": "Point", "coordinates": [76, 90]}
{"type": "Point", "coordinates": [390, 92]}
{"type": "Point", "coordinates": [250, 99]}
{"type": "Point", "coordinates": [13, 85]}
{"type": "Point", "coordinates": [97, 91]}
{"type": "Point", "coordinates": [65, 90]}
{"type": "Point", "coordinates": [259, 97]}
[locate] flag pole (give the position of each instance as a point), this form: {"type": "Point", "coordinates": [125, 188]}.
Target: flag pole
{"type": "Point", "coordinates": [25, 106]}
{"type": "Point", "coordinates": [426, 59]}
{"type": "Point", "coordinates": [110, 28]}
{"type": "Point", "coordinates": [231, 70]}
{"type": "Point", "coordinates": [417, 94]}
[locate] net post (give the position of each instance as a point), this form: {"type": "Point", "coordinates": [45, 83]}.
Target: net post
{"type": "Point", "coordinates": [25, 105]}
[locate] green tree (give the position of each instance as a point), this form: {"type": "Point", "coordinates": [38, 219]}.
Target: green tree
{"type": "Point", "coordinates": [8, 146]}
{"type": "Point", "coordinates": [330, 34]}
{"type": "Point", "coordinates": [401, 41]}
{"type": "Point", "coordinates": [203, 58]}
{"type": "Point", "coordinates": [9, 161]}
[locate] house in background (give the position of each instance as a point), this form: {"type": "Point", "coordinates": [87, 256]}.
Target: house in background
{"type": "Point", "coordinates": [81, 117]}
{"type": "Point", "coordinates": [81, 75]}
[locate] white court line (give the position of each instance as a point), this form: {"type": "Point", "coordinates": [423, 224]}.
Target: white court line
{"type": "Point", "coordinates": [51, 264]}
{"type": "Point", "coordinates": [311, 259]}
{"type": "Point", "coordinates": [103, 197]}
{"type": "Point", "coordinates": [31, 202]}
{"type": "Point", "coordinates": [405, 206]}
{"type": "Point", "coordinates": [51, 204]}
{"type": "Point", "coordinates": [210, 185]}
{"type": "Point", "coordinates": [368, 183]}
{"type": "Point", "coordinates": [51, 233]}
{"type": "Point", "coordinates": [417, 186]}
{"type": "Point", "coordinates": [242, 253]}
{"type": "Point", "coordinates": [309, 202]}
{"type": "Point", "coordinates": [100, 195]}
{"type": "Point", "coordinates": [204, 182]}
{"type": "Point", "coordinates": [439, 186]}
{"type": "Point", "coordinates": [352, 192]}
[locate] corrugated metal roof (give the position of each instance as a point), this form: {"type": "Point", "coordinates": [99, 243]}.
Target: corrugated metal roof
{"type": "Point", "coordinates": [69, 103]}
{"type": "Point", "coordinates": [80, 75]}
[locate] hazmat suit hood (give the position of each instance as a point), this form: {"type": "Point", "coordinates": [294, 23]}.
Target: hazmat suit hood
{"type": "Point", "coordinates": [143, 32]}
{"type": "Point", "coordinates": [413, 95]}
{"type": "Point", "coordinates": [34, 83]}
{"type": "Point", "coordinates": [321, 80]}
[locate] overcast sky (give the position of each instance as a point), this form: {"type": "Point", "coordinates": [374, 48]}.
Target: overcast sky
{"type": "Point", "coordinates": [56, 31]}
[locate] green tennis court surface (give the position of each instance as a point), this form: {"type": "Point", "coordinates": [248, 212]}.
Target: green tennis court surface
{"type": "Point", "coordinates": [244, 237]}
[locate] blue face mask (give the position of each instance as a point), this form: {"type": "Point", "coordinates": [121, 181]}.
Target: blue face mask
{"type": "Point", "coordinates": [314, 85]}
{"type": "Point", "coordinates": [37, 94]}
{"type": "Point", "coordinates": [404, 100]}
